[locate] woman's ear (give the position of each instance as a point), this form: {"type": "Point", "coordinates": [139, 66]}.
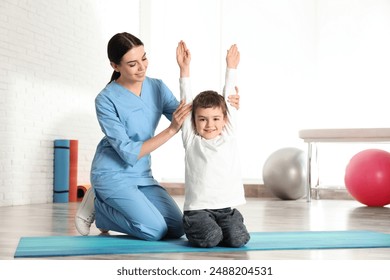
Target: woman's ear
{"type": "Point", "coordinates": [114, 66]}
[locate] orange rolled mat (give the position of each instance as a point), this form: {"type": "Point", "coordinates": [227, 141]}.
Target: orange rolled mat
{"type": "Point", "coordinates": [73, 163]}
{"type": "Point", "coordinates": [81, 190]}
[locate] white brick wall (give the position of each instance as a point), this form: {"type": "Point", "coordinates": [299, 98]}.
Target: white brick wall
{"type": "Point", "coordinates": [52, 64]}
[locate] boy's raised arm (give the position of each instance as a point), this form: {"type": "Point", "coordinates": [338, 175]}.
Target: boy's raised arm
{"type": "Point", "coordinates": [183, 57]}
{"type": "Point", "coordinates": [230, 91]}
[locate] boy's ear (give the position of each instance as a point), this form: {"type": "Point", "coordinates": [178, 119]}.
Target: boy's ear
{"type": "Point", "coordinates": [226, 119]}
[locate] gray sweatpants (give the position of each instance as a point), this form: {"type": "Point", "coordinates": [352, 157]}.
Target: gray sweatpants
{"type": "Point", "coordinates": [209, 228]}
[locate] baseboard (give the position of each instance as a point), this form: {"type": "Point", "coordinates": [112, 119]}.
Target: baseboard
{"type": "Point", "coordinates": [261, 191]}
{"type": "Point", "coordinates": [330, 193]}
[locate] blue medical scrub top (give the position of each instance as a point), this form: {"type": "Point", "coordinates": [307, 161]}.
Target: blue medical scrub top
{"type": "Point", "coordinates": [127, 120]}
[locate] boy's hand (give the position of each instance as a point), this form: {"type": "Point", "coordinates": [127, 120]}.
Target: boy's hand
{"type": "Point", "coordinates": [183, 57]}
{"type": "Point", "coordinates": [233, 57]}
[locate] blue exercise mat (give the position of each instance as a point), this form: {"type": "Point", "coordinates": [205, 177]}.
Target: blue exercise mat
{"type": "Point", "coordinates": [61, 170]}
{"type": "Point", "coordinates": [50, 246]}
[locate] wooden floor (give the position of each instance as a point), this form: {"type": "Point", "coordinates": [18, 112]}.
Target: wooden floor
{"type": "Point", "coordinates": [260, 215]}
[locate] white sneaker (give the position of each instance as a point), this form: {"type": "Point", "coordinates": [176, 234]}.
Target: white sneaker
{"type": "Point", "coordinates": [85, 215]}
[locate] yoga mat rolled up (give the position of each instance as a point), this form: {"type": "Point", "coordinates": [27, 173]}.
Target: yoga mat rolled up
{"type": "Point", "coordinates": [61, 170]}
{"type": "Point", "coordinates": [73, 158]}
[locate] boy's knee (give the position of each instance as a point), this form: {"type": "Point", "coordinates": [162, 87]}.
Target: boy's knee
{"type": "Point", "coordinates": [201, 230]}
{"type": "Point", "coordinates": [239, 240]}
{"type": "Point", "coordinates": [209, 239]}
{"type": "Point", "coordinates": [175, 233]}
{"type": "Point", "coordinates": [236, 236]}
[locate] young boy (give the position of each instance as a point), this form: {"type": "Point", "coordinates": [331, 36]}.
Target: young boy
{"type": "Point", "coordinates": [212, 170]}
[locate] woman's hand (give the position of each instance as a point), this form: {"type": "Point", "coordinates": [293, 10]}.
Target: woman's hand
{"type": "Point", "coordinates": [157, 141]}
{"type": "Point", "coordinates": [234, 99]}
{"type": "Point", "coordinates": [179, 116]}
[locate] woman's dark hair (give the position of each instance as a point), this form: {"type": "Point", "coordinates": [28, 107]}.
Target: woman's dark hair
{"type": "Point", "coordinates": [208, 99]}
{"type": "Point", "coordinates": [118, 46]}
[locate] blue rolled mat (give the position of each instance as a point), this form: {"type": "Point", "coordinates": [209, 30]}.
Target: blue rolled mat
{"type": "Point", "coordinates": [61, 170]}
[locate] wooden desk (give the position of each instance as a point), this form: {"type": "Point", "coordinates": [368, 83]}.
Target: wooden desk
{"type": "Point", "coordinates": [363, 135]}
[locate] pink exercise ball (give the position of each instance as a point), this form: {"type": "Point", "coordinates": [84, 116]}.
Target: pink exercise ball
{"type": "Point", "coordinates": [367, 177]}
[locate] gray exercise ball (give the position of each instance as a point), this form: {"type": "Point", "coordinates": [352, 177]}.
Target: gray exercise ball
{"type": "Point", "coordinates": [284, 173]}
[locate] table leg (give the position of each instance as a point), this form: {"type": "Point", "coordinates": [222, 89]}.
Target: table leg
{"type": "Point", "coordinates": [308, 172]}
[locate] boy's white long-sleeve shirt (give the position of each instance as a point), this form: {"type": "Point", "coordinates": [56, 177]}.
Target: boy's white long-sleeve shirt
{"type": "Point", "coordinates": [212, 167]}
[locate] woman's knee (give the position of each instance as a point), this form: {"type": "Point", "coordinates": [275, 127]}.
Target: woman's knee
{"type": "Point", "coordinates": [152, 232]}
{"type": "Point", "coordinates": [149, 232]}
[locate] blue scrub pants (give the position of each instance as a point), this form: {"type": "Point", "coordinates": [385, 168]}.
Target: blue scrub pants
{"type": "Point", "coordinates": [145, 212]}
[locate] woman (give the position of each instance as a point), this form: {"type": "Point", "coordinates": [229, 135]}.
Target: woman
{"type": "Point", "coordinates": [128, 198]}
{"type": "Point", "coordinates": [125, 197]}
